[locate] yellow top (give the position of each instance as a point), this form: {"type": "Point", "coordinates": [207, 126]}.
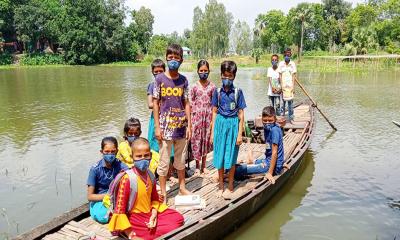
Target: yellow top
{"type": "Point", "coordinates": [125, 153]}
{"type": "Point", "coordinates": [146, 199]}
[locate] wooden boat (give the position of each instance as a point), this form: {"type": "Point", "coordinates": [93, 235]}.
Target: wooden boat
{"type": "Point", "coordinates": [396, 123]}
{"type": "Point", "coordinates": [220, 216]}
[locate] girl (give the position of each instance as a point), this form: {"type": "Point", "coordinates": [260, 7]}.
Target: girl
{"type": "Point", "coordinates": [227, 127]}
{"type": "Point", "coordinates": [132, 130]}
{"type": "Point", "coordinates": [100, 177]}
{"type": "Point", "coordinates": [145, 216]}
{"type": "Point", "coordinates": [201, 95]}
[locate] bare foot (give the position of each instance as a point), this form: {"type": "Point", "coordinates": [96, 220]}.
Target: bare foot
{"type": "Point", "coordinates": [197, 173]}
{"type": "Point", "coordinates": [285, 165]}
{"type": "Point", "coordinates": [206, 171]}
{"type": "Point", "coordinates": [219, 193]}
{"type": "Point", "coordinates": [214, 178]}
{"type": "Point", "coordinates": [227, 194]}
{"type": "Point", "coordinates": [184, 191]}
{"type": "Point", "coordinates": [173, 180]}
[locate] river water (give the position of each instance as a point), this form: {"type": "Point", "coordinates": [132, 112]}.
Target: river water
{"type": "Point", "coordinates": [53, 119]}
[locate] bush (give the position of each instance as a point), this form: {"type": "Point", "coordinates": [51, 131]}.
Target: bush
{"type": "Point", "coordinates": [42, 59]}
{"type": "Point", "coordinates": [6, 59]}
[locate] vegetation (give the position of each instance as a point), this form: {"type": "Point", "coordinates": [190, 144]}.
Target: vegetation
{"type": "Point", "coordinates": [93, 32]}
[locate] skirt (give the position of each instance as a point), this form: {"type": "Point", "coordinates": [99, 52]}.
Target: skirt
{"type": "Point", "coordinates": [225, 135]}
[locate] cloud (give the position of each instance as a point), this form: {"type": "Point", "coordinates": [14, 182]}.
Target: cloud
{"type": "Point", "coordinates": [176, 15]}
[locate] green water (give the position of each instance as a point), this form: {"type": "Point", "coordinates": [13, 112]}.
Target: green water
{"type": "Point", "coordinates": [52, 121]}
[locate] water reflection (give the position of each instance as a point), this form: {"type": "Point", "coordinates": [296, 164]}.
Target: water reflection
{"type": "Point", "coordinates": [266, 223]}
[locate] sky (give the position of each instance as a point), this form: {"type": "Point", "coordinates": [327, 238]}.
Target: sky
{"type": "Point", "coordinates": [176, 15]}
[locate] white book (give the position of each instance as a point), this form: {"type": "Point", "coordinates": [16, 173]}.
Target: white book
{"type": "Point", "coordinates": [187, 200]}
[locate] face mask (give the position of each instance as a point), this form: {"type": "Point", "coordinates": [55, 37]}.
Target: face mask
{"type": "Point", "coordinates": [227, 82]}
{"type": "Point", "coordinates": [142, 165]}
{"type": "Point", "coordinates": [287, 59]}
{"type": "Point", "coordinates": [110, 158]}
{"type": "Point", "coordinates": [274, 63]}
{"type": "Point", "coordinates": [268, 126]}
{"type": "Point", "coordinates": [131, 138]}
{"type": "Point", "coordinates": [203, 76]}
{"type": "Point", "coordinates": [173, 65]}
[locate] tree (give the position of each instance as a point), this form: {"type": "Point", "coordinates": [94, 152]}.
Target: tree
{"type": "Point", "coordinates": [271, 30]}
{"type": "Point", "coordinates": [157, 46]}
{"type": "Point", "coordinates": [361, 16]}
{"type": "Point", "coordinates": [240, 38]}
{"type": "Point", "coordinates": [338, 9]}
{"type": "Point", "coordinates": [364, 40]}
{"type": "Point", "coordinates": [141, 27]}
{"type": "Point", "coordinates": [211, 28]}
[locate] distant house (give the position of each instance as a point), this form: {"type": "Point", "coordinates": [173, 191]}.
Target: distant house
{"type": "Point", "coordinates": [187, 52]}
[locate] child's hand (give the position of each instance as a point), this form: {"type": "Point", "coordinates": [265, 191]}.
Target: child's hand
{"type": "Point", "coordinates": [188, 133]}
{"type": "Point", "coordinates": [212, 138]}
{"type": "Point", "coordinates": [270, 178]}
{"type": "Point", "coordinates": [239, 140]}
{"type": "Point", "coordinates": [152, 222]}
{"type": "Point", "coordinates": [158, 134]}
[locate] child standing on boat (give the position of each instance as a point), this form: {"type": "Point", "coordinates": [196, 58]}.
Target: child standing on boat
{"type": "Point", "coordinates": [274, 154]}
{"type": "Point", "coordinates": [138, 212]}
{"type": "Point", "coordinates": [200, 96]}
{"type": "Point", "coordinates": [132, 130]}
{"type": "Point", "coordinates": [172, 117]}
{"type": "Point", "coordinates": [228, 120]}
{"type": "Point", "coordinates": [274, 84]}
{"type": "Point", "coordinates": [100, 177]}
{"type": "Point", "coordinates": [287, 71]}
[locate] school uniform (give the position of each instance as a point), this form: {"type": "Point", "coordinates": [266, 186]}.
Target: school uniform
{"type": "Point", "coordinates": [226, 126]}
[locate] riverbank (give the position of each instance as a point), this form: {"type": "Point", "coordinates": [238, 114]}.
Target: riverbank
{"type": "Point", "coordinates": [324, 64]}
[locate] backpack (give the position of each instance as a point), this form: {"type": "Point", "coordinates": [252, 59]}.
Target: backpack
{"type": "Point", "coordinates": [113, 190]}
{"type": "Point", "coordinates": [236, 95]}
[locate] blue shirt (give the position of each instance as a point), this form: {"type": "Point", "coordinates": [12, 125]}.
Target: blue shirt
{"type": "Point", "coordinates": [150, 88]}
{"type": "Point", "coordinates": [227, 106]}
{"type": "Point", "coordinates": [274, 136]}
{"type": "Point", "coordinates": [101, 176]}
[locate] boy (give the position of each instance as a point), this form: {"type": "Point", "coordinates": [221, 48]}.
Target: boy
{"type": "Point", "coordinates": [274, 85]}
{"type": "Point", "coordinates": [140, 214]}
{"type": "Point", "coordinates": [274, 155]}
{"type": "Point", "coordinates": [172, 118]}
{"type": "Point", "coordinates": [227, 126]}
{"type": "Point", "coordinates": [287, 73]}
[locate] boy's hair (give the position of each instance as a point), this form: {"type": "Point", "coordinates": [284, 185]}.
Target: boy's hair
{"type": "Point", "coordinates": [174, 49]}
{"type": "Point", "coordinates": [275, 55]}
{"type": "Point", "coordinates": [201, 63]}
{"type": "Point", "coordinates": [131, 123]}
{"type": "Point", "coordinates": [157, 63]}
{"type": "Point", "coordinates": [268, 111]}
{"type": "Point", "coordinates": [288, 49]}
{"type": "Point", "coordinates": [229, 66]}
{"type": "Point", "coordinates": [139, 141]}
{"type": "Point", "coordinates": [107, 140]}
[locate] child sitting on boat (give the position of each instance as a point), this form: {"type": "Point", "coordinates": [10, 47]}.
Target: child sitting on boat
{"type": "Point", "coordinates": [100, 177]}
{"type": "Point", "coordinates": [227, 126]}
{"type": "Point", "coordinates": [132, 130]}
{"type": "Point", "coordinates": [137, 209]}
{"type": "Point", "coordinates": [274, 155]}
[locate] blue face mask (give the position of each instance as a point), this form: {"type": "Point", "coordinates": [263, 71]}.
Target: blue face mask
{"type": "Point", "coordinates": [274, 63]}
{"type": "Point", "coordinates": [110, 158]}
{"type": "Point", "coordinates": [142, 165]}
{"type": "Point", "coordinates": [287, 59]}
{"type": "Point", "coordinates": [268, 126]}
{"type": "Point", "coordinates": [227, 82]}
{"type": "Point", "coordinates": [173, 65]}
{"type": "Point", "coordinates": [131, 138]}
{"type": "Point", "coordinates": [203, 76]}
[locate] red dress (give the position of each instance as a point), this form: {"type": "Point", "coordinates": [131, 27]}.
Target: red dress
{"type": "Point", "coordinates": [136, 219]}
{"type": "Point", "coordinates": [201, 119]}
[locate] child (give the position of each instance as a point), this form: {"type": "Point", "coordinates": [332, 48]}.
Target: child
{"type": "Point", "coordinates": [287, 73]}
{"type": "Point", "coordinates": [132, 130]}
{"type": "Point", "coordinates": [274, 85]}
{"type": "Point", "coordinates": [200, 96]}
{"type": "Point", "coordinates": [157, 67]}
{"type": "Point", "coordinates": [227, 126]}
{"type": "Point", "coordinates": [100, 177]}
{"type": "Point", "coordinates": [274, 156]}
{"type": "Point", "coordinates": [145, 216]}
{"type": "Point", "coordinates": [172, 117]}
